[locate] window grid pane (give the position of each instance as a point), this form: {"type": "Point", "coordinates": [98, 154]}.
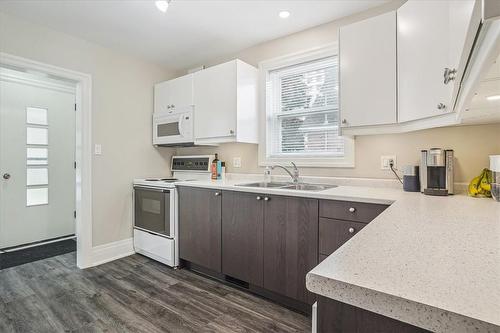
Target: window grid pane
{"type": "Point", "coordinates": [302, 107]}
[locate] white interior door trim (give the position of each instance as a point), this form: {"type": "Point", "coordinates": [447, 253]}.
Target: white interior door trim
{"type": "Point", "coordinates": [83, 150]}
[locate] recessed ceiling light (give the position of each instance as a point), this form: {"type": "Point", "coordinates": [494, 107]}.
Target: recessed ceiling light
{"type": "Point", "coordinates": [493, 98]}
{"type": "Point", "coordinates": [284, 14]}
{"type": "Point", "coordinates": [162, 5]}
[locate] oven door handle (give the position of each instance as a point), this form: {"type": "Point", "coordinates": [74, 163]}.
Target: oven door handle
{"type": "Point", "coordinates": [151, 189]}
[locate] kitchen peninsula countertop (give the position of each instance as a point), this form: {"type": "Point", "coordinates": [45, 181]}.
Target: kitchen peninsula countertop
{"type": "Point", "coordinates": [433, 262]}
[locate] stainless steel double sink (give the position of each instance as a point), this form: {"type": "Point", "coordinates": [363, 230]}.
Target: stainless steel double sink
{"type": "Point", "coordinates": [289, 186]}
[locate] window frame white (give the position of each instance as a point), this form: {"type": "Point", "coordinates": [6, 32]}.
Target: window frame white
{"type": "Point", "coordinates": [265, 67]}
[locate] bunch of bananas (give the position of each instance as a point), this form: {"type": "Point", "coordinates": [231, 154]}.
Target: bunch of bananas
{"type": "Point", "coordinates": [481, 185]}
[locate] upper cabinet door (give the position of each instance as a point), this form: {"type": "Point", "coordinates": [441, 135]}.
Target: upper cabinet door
{"type": "Point", "coordinates": [181, 91]}
{"type": "Point", "coordinates": [431, 36]}
{"type": "Point", "coordinates": [367, 65]}
{"type": "Point", "coordinates": [161, 97]}
{"type": "Point", "coordinates": [173, 94]}
{"type": "Point", "coordinates": [215, 101]}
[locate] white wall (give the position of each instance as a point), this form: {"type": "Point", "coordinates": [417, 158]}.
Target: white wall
{"type": "Point", "coordinates": [122, 103]}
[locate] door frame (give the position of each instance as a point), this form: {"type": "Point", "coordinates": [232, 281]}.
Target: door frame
{"type": "Point", "coordinates": [83, 148]}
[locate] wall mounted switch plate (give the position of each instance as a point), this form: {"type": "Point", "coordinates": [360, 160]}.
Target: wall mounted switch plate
{"type": "Point", "coordinates": [97, 149]}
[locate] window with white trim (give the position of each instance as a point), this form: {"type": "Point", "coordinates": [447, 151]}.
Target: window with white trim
{"type": "Point", "coordinates": [302, 111]}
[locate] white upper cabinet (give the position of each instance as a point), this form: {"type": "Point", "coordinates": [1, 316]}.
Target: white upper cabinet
{"type": "Point", "coordinates": [367, 59]}
{"type": "Point", "coordinates": [431, 37]}
{"type": "Point", "coordinates": [174, 94]}
{"type": "Point", "coordinates": [225, 102]}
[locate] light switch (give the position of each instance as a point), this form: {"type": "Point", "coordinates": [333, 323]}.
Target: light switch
{"type": "Point", "coordinates": [236, 162]}
{"type": "Point", "coordinates": [97, 149]}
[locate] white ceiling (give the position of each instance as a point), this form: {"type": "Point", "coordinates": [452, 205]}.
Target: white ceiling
{"type": "Point", "coordinates": [191, 32]}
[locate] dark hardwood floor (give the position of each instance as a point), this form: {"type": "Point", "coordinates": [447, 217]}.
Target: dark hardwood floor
{"type": "Point", "coordinates": [134, 294]}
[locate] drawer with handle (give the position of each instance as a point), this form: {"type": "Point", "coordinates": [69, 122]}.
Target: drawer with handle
{"type": "Point", "coordinates": [350, 211]}
{"type": "Point", "coordinates": [334, 233]}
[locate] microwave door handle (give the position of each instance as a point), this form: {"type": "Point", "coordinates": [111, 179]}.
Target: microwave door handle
{"type": "Point", "coordinates": [180, 124]}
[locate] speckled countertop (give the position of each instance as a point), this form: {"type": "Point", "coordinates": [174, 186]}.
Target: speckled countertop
{"type": "Point", "coordinates": [433, 262]}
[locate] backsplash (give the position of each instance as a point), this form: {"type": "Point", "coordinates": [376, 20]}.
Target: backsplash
{"type": "Point", "coordinates": [472, 145]}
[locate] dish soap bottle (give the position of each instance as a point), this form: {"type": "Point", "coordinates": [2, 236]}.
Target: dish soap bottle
{"type": "Point", "coordinates": [267, 175]}
{"type": "Point", "coordinates": [213, 167]}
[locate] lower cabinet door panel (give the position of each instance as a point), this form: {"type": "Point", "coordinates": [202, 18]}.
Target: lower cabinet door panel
{"type": "Point", "coordinates": [200, 227]}
{"type": "Point", "coordinates": [290, 245]}
{"type": "Point", "coordinates": [334, 233]}
{"type": "Point", "coordinates": [242, 228]}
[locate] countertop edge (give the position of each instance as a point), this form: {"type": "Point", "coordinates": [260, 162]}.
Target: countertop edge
{"type": "Point", "coordinates": [324, 195]}
{"type": "Point", "coordinates": [398, 308]}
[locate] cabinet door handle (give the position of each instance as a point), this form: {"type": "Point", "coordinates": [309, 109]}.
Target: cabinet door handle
{"type": "Point", "coordinates": [344, 121]}
{"type": "Point", "coordinates": [231, 132]}
{"type": "Point", "coordinates": [258, 197]}
{"type": "Point", "coordinates": [352, 209]}
{"type": "Point", "coordinates": [449, 75]}
{"type": "Point", "coordinates": [267, 198]}
{"type": "Point", "coordinates": [351, 230]}
{"type": "Point", "coordinates": [217, 194]}
{"type": "Point", "coordinates": [441, 106]}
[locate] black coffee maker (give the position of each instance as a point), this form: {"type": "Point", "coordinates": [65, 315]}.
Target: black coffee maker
{"type": "Point", "coordinates": [436, 171]}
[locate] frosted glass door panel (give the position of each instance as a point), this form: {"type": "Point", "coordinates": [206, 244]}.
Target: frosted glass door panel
{"type": "Point", "coordinates": [36, 116]}
{"type": "Point", "coordinates": [37, 176]}
{"type": "Point", "coordinates": [37, 136]}
{"type": "Point", "coordinates": [37, 196]}
{"type": "Point", "coordinates": [37, 156]}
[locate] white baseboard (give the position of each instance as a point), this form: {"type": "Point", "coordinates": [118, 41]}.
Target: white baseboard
{"type": "Point", "coordinates": [112, 251]}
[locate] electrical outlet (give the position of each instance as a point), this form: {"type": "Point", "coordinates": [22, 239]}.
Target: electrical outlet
{"type": "Point", "coordinates": [236, 162]}
{"type": "Point", "coordinates": [385, 162]}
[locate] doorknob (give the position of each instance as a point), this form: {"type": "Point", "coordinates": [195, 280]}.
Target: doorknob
{"type": "Point", "coordinates": [6, 176]}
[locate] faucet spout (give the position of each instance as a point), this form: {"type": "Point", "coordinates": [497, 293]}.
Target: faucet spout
{"type": "Point", "coordinates": [294, 175]}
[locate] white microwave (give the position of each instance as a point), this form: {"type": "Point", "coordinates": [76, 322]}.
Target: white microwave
{"type": "Point", "coordinates": [173, 128]}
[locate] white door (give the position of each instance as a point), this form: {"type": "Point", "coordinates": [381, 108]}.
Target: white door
{"type": "Point", "coordinates": [368, 71]}
{"type": "Point", "coordinates": [181, 92]}
{"type": "Point", "coordinates": [215, 91]}
{"type": "Point", "coordinates": [431, 37]}
{"type": "Point", "coordinates": [37, 153]}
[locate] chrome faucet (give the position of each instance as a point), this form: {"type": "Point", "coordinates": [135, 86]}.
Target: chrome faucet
{"type": "Point", "coordinates": [295, 174]}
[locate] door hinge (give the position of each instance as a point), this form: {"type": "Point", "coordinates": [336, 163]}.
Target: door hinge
{"type": "Point", "coordinates": [74, 213]}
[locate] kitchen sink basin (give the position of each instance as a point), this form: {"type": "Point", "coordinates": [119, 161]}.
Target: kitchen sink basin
{"type": "Point", "coordinates": [265, 184]}
{"type": "Point", "coordinates": [290, 186]}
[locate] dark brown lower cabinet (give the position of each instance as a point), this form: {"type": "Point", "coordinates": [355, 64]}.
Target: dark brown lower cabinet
{"type": "Point", "coordinates": [338, 317]}
{"type": "Point", "coordinates": [200, 227]}
{"type": "Point", "coordinates": [290, 245]}
{"type": "Point", "coordinates": [242, 240]}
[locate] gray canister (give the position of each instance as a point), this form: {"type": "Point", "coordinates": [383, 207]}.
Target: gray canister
{"type": "Point", "coordinates": [411, 178]}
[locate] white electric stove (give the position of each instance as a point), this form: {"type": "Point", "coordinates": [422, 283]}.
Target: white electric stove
{"type": "Point", "coordinates": [156, 221]}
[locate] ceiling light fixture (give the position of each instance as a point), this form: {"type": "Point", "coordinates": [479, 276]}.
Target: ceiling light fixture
{"type": "Point", "coordinates": [493, 98]}
{"type": "Point", "coordinates": [162, 5]}
{"type": "Point", "coordinates": [284, 14]}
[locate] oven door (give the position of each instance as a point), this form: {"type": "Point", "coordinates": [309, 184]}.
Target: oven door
{"type": "Point", "coordinates": [153, 210]}
{"type": "Point", "coordinates": [173, 129]}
